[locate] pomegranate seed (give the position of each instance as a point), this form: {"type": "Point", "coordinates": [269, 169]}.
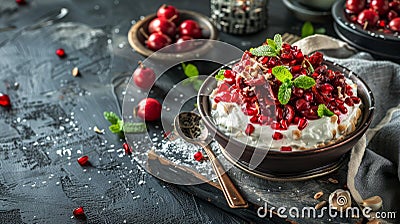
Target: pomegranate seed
{"type": "Point", "coordinates": [302, 104]}
{"type": "Point", "coordinates": [249, 129]}
{"type": "Point", "coordinates": [298, 92]}
{"type": "Point", "coordinates": [228, 74]}
{"type": "Point", "coordinates": [5, 100]}
{"type": "Point", "coordinates": [296, 69]}
{"type": "Point", "coordinates": [60, 53]}
{"type": "Point", "coordinates": [128, 149]}
{"type": "Point", "coordinates": [276, 125]}
{"type": "Point", "coordinates": [79, 212]}
{"type": "Point", "coordinates": [265, 120]}
{"type": "Point", "coordinates": [299, 56]}
{"type": "Point", "coordinates": [284, 124]}
{"type": "Point", "coordinates": [355, 99]}
{"type": "Point", "coordinates": [349, 92]}
{"type": "Point", "coordinates": [254, 120]}
{"type": "Point", "coordinates": [381, 23]}
{"type": "Point", "coordinates": [302, 123]}
{"type": "Point", "coordinates": [296, 120]}
{"type": "Point", "coordinates": [277, 136]}
{"type": "Point", "coordinates": [198, 156]}
{"type": "Point", "coordinates": [83, 161]}
{"type": "Point", "coordinates": [316, 59]}
{"type": "Point", "coordinates": [20, 2]}
{"type": "Point", "coordinates": [326, 88]}
{"type": "Point", "coordinates": [286, 148]}
{"type": "Point", "coordinates": [288, 113]}
{"type": "Point", "coordinates": [264, 60]}
{"type": "Point", "coordinates": [349, 102]}
{"type": "Point", "coordinates": [308, 97]}
{"type": "Point", "coordinates": [279, 113]}
{"type": "Point", "coordinates": [342, 109]}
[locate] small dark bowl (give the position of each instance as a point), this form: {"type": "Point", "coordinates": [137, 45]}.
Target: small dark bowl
{"type": "Point", "coordinates": [381, 45]}
{"type": "Point", "coordinates": [306, 13]}
{"type": "Point", "coordinates": [295, 165]}
{"type": "Point", "coordinates": [137, 39]}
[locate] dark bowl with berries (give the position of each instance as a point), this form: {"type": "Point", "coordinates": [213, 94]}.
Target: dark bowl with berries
{"type": "Point", "coordinates": [303, 131]}
{"type": "Point", "coordinates": [371, 26]}
{"type": "Point", "coordinates": [171, 26]}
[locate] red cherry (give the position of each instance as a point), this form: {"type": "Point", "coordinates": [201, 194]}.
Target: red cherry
{"type": "Point", "coordinates": [156, 41]}
{"type": "Point", "coordinates": [79, 212]}
{"type": "Point", "coordinates": [60, 53]}
{"type": "Point", "coordinates": [20, 2]}
{"type": "Point", "coordinates": [149, 109]}
{"type": "Point", "coordinates": [190, 28]}
{"type": "Point", "coordinates": [144, 77]}
{"type": "Point", "coordinates": [392, 15]}
{"type": "Point", "coordinates": [395, 24]}
{"type": "Point", "coordinates": [5, 100]}
{"type": "Point", "coordinates": [277, 136]}
{"type": "Point", "coordinates": [367, 18]}
{"type": "Point", "coordinates": [286, 148]}
{"type": "Point", "coordinates": [83, 161]}
{"type": "Point", "coordinates": [380, 6]}
{"type": "Point", "coordinates": [127, 148]}
{"type": "Point", "coordinates": [198, 156]}
{"type": "Point", "coordinates": [395, 5]}
{"type": "Point", "coordinates": [163, 26]}
{"type": "Point", "coordinates": [355, 6]}
{"type": "Point", "coordinates": [167, 12]}
{"type": "Point", "coordinates": [249, 129]}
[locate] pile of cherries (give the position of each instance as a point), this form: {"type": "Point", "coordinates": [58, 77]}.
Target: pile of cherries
{"type": "Point", "coordinates": [383, 15]}
{"type": "Point", "coordinates": [258, 94]}
{"type": "Point", "coordinates": [165, 29]}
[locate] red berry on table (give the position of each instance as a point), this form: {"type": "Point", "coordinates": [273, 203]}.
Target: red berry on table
{"type": "Point", "coordinates": [127, 148]}
{"type": "Point", "coordinates": [395, 24]}
{"type": "Point", "coordinates": [380, 6]}
{"type": "Point", "coordinates": [198, 156]}
{"type": "Point", "coordinates": [163, 26]}
{"type": "Point", "coordinates": [20, 2]}
{"type": "Point", "coordinates": [355, 6]}
{"type": "Point", "coordinates": [60, 52]}
{"type": "Point", "coordinates": [79, 212]}
{"type": "Point", "coordinates": [367, 18]}
{"type": "Point", "coordinates": [167, 12]}
{"type": "Point", "coordinates": [190, 28]}
{"type": "Point", "coordinates": [156, 41]}
{"type": "Point", "coordinates": [83, 161]}
{"type": "Point", "coordinates": [5, 100]}
{"type": "Point", "coordinates": [149, 109]}
{"type": "Point", "coordinates": [144, 77]}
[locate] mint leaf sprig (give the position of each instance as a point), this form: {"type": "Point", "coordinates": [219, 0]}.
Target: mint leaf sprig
{"type": "Point", "coordinates": [285, 77]}
{"type": "Point", "coordinates": [192, 73]}
{"type": "Point", "coordinates": [119, 127]}
{"type": "Point", "coordinates": [324, 111]}
{"type": "Point", "coordinates": [273, 49]}
{"type": "Point", "coordinates": [220, 76]}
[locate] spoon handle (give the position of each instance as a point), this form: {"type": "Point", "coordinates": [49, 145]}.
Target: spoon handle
{"type": "Point", "coordinates": [232, 194]}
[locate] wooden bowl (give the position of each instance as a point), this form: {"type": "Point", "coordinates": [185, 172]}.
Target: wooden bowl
{"type": "Point", "coordinates": [137, 39]}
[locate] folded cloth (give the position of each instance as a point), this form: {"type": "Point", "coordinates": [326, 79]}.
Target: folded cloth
{"type": "Point", "coordinates": [374, 164]}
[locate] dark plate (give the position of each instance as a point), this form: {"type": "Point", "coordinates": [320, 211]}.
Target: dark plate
{"type": "Point", "coordinates": [381, 45]}
{"type": "Point", "coordinates": [305, 13]}
{"type": "Point", "coordinates": [304, 164]}
{"type": "Point", "coordinates": [137, 39]}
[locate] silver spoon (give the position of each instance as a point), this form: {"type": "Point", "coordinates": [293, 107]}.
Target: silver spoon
{"type": "Point", "coordinates": [187, 125]}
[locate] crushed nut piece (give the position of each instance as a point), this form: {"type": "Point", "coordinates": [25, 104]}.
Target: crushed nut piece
{"type": "Point", "coordinates": [342, 128]}
{"type": "Point", "coordinates": [75, 72]}
{"type": "Point", "coordinates": [318, 195]}
{"type": "Point", "coordinates": [333, 181]}
{"type": "Point", "coordinates": [320, 205]}
{"type": "Point", "coordinates": [296, 134]}
{"type": "Point", "coordinates": [334, 118]}
{"type": "Point", "coordinates": [97, 130]}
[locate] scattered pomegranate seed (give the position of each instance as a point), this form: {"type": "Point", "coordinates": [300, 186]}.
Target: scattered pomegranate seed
{"type": "Point", "coordinates": [20, 2]}
{"type": "Point", "coordinates": [198, 156]}
{"type": "Point", "coordinates": [5, 100]}
{"type": "Point", "coordinates": [60, 53]}
{"type": "Point", "coordinates": [286, 148]}
{"type": "Point", "coordinates": [79, 212]}
{"type": "Point", "coordinates": [276, 125]}
{"type": "Point", "coordinates": [349, 101]}
{"type": "Point", "coordinates": [249, 129]}
{"type": "Point", "coordinates": [355, 99]}
{"type": "Point", "coordinates": [127, 148]}
{"type": "Point", "coordinates": [302, 123]}
{"type": "Point", "coordinates": [277, 136]}
{"type": "Point", "coordinates": [83, 161]}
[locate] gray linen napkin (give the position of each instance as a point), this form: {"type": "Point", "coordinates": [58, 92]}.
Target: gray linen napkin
{"type": "Point", "coordinates": [374, 164]}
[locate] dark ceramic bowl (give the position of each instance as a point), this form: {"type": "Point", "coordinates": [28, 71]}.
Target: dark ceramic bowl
{"type": "Point", "coordinates": [295, 165]}
{"type": "Point", "coordinates": [381, 45]}
{"type": "Point", "coordinates": [137, 39]}
{"type": "Point", "coordinates": [306, 13]}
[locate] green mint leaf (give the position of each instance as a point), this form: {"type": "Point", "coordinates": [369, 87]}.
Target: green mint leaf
{"type": "Point", "coordinates": [324, 111]}
{"type": "Point", "coordinates": [321, 30]}
{"type": "Point", "coordinates": [115, 128]}
{"type": "Point", "coordinates": [304, 82]}
{"type": "Point", "coordinates": [307, 29]}
{"type": "Point", "coordinates": [278, 42]}
{"type": "Point", "coordinates": [281, 73]}
{"type": "Point", "coordinates": [285, 91]}
{"type": "Point", "coordinates": [112, 117]}
{"type": "Point", "coordinates": [272, 44]}
{"type": "Point", "coordinates": [190, 70]}
{"type": "Point", "coordinates": [220, 76]}
{"type": "Point", "coordinates": [134, 127]}
{"type": "Point", "coordinates": [263, 50]}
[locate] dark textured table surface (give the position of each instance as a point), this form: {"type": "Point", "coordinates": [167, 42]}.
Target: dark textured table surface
{"type": "Point", "coordinates": [53, 115]}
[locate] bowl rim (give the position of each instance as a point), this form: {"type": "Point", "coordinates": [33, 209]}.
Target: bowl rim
{"type": "Point", "coordinates": [142, 49]}
{"type": "Point", "coordinates": [341, 19]}
{"type": "Point", "coordinates": [348, 138]}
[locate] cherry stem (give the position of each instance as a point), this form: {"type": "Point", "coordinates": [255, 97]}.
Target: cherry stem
{"type": "Point", "coordinates": [365, 25]}
{"type": "Point", "coordinates": [141, 65]}
{"type": "Point", "coordinates": [172, 18]}
{"type": "Point", "coordinates": [141, 30]}
{"type": "Point", "coordinates": [164, 6]}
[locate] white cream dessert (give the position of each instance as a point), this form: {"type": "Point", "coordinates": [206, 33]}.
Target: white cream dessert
{"type": "Point", "coordinates": [276, 98]}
